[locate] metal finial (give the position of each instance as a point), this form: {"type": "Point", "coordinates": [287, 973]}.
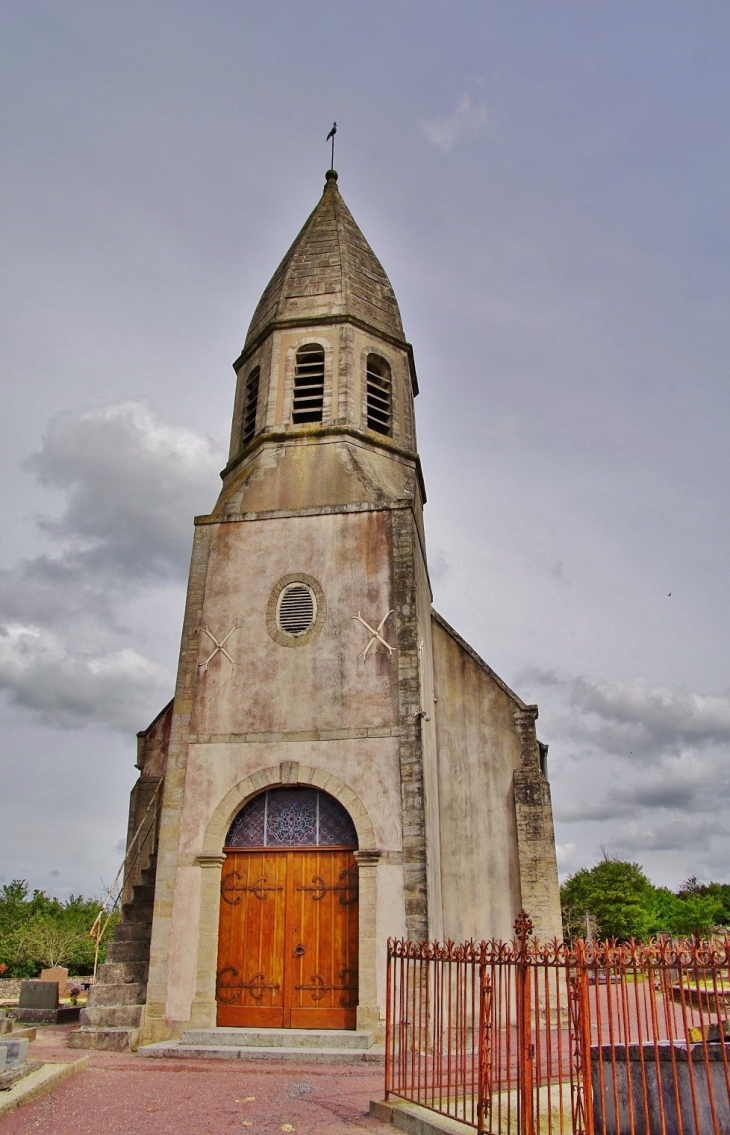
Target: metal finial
{"type": "Point", "coordinates": [331, 135]}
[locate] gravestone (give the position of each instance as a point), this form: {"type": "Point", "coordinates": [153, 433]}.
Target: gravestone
{"type": "Point", "coordinates": [38, 995]}
{"type": "Point", "coordinates": [13, 1051]}
{"type": "Point", "coordinates": [59, 974]}
{"type": "Point", "coordinates": [39, 1002]}
{"type": "Point", "coordinates": [14, 1063]}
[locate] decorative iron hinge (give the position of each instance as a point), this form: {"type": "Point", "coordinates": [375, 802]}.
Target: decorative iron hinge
{"type": "Point", "coordinates": [261, 888]}
{"type": "Point", "coordinates": [319, 987]}
{"type": "Point", "coordinates": [256, 986]}
{"type": "Point", "coordinates": [320, 888]}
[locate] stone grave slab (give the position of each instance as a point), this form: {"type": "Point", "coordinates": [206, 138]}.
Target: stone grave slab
{"type": "Point", "coordinates": [38, 995]}
{"type": "Point", "coordinates": [59, 974]}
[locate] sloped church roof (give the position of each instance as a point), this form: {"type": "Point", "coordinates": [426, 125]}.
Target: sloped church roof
{"type": "Point", "coordinates": [330, 270]}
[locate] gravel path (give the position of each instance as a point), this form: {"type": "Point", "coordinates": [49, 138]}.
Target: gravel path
{"type": "Point", "coordinates": [124, 1094]}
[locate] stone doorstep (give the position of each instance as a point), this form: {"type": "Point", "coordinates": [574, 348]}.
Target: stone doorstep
{"type": "Point", "coordinates": [168, 1049]}
{"type": "Point", "coordinates": [415, 1120]}
{"type": "Point", "coordinates": [39, 1082]}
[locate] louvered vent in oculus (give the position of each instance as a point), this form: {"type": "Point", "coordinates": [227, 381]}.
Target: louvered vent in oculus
{"type": "Point", "coordinates": [250, 404]}
{"type": "Point", "coordinates": [296, 610]}
{"type": "Point", "coordinates": [308, 385]}
{"type": "Point", "coordinates": [378, 395]}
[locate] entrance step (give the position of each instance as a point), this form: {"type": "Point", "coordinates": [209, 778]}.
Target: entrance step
{"type": "Point", "coordinates": [308, 1045]}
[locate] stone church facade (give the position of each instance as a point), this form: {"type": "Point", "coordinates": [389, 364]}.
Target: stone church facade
{"type": "Point", "coordinates": [337, 765]}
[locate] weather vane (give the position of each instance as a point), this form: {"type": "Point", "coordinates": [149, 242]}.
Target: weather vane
{"type": "Point", "coordinates": [331, 135]}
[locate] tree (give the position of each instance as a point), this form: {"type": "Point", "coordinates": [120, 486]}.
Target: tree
{"type": "Point", "coordinates": [617, 894]}
{"type": "Point", "coordinates": [38, 931]}
{"type": "Point", "coordinates": [697, 915]}
{"type": "Point", "coordinates": [49, 940]}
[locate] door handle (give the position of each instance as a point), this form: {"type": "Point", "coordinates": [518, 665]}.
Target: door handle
{"type": "Point", "coordinates": [299, 950]}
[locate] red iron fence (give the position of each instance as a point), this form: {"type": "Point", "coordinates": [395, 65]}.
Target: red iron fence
{"type": "Point", "coordinates": [528, 1038]}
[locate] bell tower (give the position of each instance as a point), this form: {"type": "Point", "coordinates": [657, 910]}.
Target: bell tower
{"type": "Point", "coordinates": [324, 413]}
{"type": "Point", "coordinates": [337, 765]}
{"type": "Point", "coordinates": [306, 650]}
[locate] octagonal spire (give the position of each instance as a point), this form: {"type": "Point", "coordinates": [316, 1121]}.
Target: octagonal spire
{"type": "Point", "coordinates": [329, 271]}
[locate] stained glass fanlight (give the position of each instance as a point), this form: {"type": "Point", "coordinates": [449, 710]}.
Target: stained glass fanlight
{"type": "Point", "coordinates": [292, 817]}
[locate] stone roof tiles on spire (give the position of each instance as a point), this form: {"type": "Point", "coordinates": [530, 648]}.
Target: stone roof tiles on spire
{"type": "Point", "coordinates": [330, 270]}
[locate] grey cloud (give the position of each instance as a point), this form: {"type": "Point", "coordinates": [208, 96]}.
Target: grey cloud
{"type": "Point", "coordinates": [633, 719]}
{"type": "Point", "coordinates": [438, 566]}
{"type": "Point", "coordinates": [673, 835]}
{"type": "Point", "coordinates": [69, 690]}
{"type": "Point", "coordinates": [132, 483]}
{"type": "Point", "coordinates": [580, 810]}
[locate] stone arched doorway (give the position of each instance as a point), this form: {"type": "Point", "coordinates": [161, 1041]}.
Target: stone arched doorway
{"type": "Point", "coordinates": [288, 935]}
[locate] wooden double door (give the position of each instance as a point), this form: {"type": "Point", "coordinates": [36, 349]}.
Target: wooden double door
{"type": "Point", "coordinates": [288, 941]}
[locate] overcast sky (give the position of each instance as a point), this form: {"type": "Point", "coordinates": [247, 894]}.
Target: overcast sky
{"type": "Point", "coordinates": [547, 186]}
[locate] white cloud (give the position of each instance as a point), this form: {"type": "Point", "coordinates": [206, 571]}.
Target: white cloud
{"type": "Point", "coordinates": [131, 484]}
{"type": "Point", "coordinates": [443, 132]}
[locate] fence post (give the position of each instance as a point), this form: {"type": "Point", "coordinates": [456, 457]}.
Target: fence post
{"type": "Point", "coordinates": [525, 1047]}
{"type": "Point", "coordinates": [580, 1026]}
{"type": "Point", "coordinates": [484, 1099]}
{"type": "Point", "coordinates": [388, 1017]}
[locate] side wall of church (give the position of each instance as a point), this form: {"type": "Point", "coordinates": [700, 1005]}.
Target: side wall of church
{"type": "Point", "coordinates": [478, 752]}
{"type": "Point", "coordinates": [497, 843]}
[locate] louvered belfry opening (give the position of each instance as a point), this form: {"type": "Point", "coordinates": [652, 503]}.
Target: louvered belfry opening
{"type": "Point", "coordinates": [308, 385]}
{"type": "Point", "coordinates": [297, 609]}
{"type": "Point", "coordinates": [379, 395]}
{"type": "Point", "coordinates": [250, 404]}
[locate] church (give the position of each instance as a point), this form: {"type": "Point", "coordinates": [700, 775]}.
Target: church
{"type": "Point", "coordinates": [337, 765]}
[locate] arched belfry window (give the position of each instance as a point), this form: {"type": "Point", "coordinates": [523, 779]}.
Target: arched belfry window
{"type": "Point", "coordinates": [292, 817]}
{"type": "Point", "coordinates": [379, 395]}
{"type": "Point", "coordinates": [308, 399]}
{"type": "Point", "coordinates": [250, 404]}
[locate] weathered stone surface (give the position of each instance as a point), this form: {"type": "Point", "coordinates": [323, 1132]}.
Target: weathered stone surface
{"type": "Point", "coordinates": [14, 1050]}
{"type": "Point", "coordinates": [38, 995]}
{"type": "Point", "coordinates": [330, 270]}
{"type": "Point", "coordinates": [107, 1039]}
{"type": "Point", "coordinates": [58, 974]}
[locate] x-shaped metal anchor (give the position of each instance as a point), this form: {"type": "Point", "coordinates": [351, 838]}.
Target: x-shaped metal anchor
{"type": "Point", "coordinates": [220, 646]}
{"type": "Point", "coordinates": [375, 635]}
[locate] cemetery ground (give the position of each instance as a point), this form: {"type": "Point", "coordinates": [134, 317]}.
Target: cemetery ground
{"type": "Point", "coordinates": [126, 1094]}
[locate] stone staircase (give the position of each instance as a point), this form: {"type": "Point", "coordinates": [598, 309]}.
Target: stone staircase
{"type": "Point", "coordinates": [115, 1011]}
{"type": "Point", "coordinates": [298, 1045]}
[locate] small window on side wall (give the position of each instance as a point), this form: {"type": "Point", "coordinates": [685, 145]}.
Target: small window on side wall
{"type": "Point", "coordinates": [308, 399]}
{"type": "Point", "coordinates": [250, 404]}
{"type": "Point", "coordinates": [379, 397]}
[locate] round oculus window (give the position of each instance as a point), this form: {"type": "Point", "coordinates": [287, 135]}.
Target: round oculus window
{"type": "Point", "coordinates": [296, 609]}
